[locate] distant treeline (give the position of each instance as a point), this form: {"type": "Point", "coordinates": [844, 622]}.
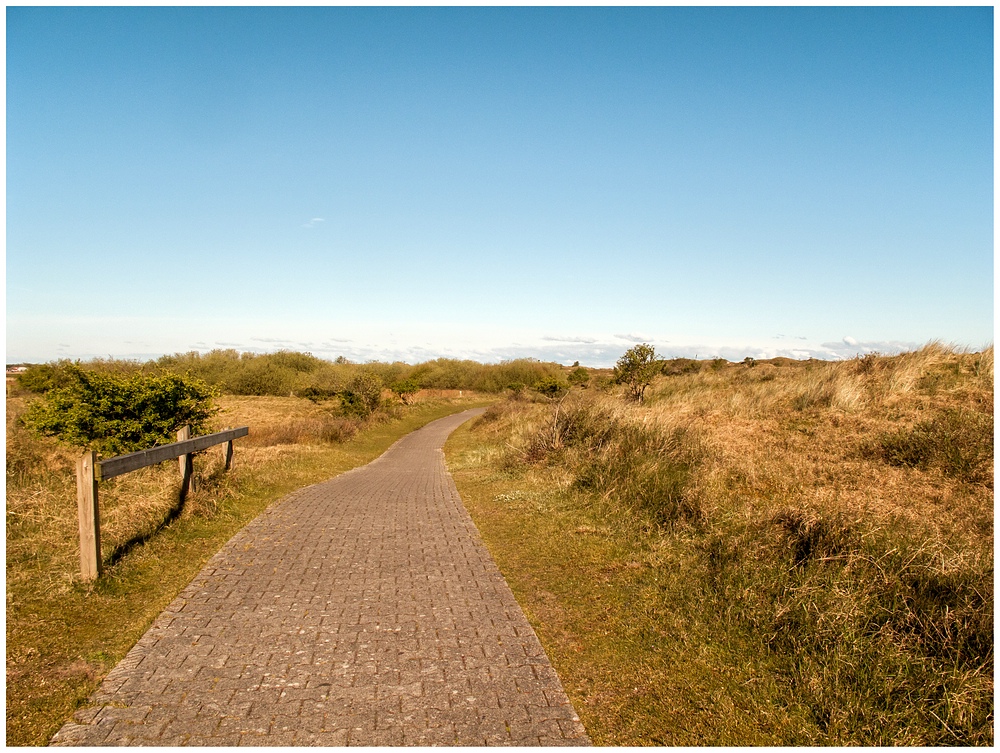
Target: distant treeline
{"type": "Point", "coordinates": [304, 375]}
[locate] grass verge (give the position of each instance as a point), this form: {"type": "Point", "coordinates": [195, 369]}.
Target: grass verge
{"type": "Point", "coordinates": [758, 555]}
{"type": "Point", "coordinates": [63, 636]}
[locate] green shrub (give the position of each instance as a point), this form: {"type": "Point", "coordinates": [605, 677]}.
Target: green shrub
{"type": "Point", "coordinates": [550, 386]}
{"type": "Point", "coordinates": [526, 371]}
{"type": "Point", "coordinates": [325, 382]}
{"type": "Point", "coordinates": [40, 378]}
{"type": "Point", "coordinates": [256, 376]}
{"type": "Point", "coordinates": [363, 394]}
{"type": "Point", "coordinates": [446, 374]}
{"type": "Point", "coordinates": [405, 389]}
{"type": "Point", "coordinates": [579, 376]}
{"type": "Point", "coordinates": [389, 373]}
{"type": "Point", "coordinates": [287, 372]}
{"type": "Point", "coordinates": [118, 413]}
{"type": "Point", "coordinates": [316, 394]}
{"type": "Point", "coordinates": [214, 367]}
{"type": "Point", "coordinates": [287, 359]}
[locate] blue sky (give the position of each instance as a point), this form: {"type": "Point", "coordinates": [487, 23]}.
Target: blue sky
{"type": "Point", "coordinates": [491, 183]}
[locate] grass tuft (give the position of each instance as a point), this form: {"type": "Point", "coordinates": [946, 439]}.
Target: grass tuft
{"type": "Point", "coordinates": [959, 442]}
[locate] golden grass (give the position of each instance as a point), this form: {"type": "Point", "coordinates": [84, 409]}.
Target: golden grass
{"type": "Point", "coordinates": [793, 554]}
{"type": "Point", "coordinates": [286, 420]}
{"type": "Point", "coordinates": [63, 636]}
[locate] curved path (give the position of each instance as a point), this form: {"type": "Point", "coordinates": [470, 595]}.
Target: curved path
{"type": "Point", "coordinates": [364, 610]}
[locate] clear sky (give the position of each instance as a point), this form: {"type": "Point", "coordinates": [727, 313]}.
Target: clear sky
{"type": "Point", "coordinates": [491, 183]}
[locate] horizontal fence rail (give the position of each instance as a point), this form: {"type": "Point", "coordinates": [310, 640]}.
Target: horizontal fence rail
{"type": "Point", "coordinates": [90, 470]}
{"type": "Point", "coordinates": [107, 469]}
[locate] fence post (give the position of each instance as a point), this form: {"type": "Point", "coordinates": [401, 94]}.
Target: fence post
{"type": "Point", "coordinates": [186, 462]}
{"type": "Point", "coordinates": [90, 516]}
{"type": "Point", "coordinates": [229, 454]}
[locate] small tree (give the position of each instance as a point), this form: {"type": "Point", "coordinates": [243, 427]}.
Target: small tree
{"type": "Point", "coordinates": [405, 389]}
{"type": "Point", "coordinates": [636, 370]}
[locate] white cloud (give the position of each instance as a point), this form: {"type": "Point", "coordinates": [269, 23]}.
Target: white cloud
{"type": "Point", "coordinates": [634, 338]}
{"type": "Point", "coordinates": [582, 340]}
{"type": "Point", "coordinates": [845, 349]}
{"type": "Point", "coordinates": [314, 222]}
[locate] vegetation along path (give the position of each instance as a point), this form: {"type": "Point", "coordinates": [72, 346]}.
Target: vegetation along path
{"type": "Point", "coordinates": [363, 610]}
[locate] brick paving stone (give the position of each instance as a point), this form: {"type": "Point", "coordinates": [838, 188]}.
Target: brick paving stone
{"type": "Point", "coordinates": [363, 610]}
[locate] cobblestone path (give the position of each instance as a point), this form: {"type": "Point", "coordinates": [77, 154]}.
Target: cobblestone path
{"type": "Point", "coordinates": [364, 610]}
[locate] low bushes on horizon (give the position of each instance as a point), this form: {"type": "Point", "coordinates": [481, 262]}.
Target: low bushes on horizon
{"type": "Point", "coordinates": [287, 373]}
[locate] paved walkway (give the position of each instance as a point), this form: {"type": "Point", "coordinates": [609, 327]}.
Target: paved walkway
{"type": "Point", "coordinates": [364, 610]}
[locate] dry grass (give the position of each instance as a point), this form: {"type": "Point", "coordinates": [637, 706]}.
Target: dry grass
{"type": "Point", "coordinates": [793, 554]}
{"type": "Point", "coordinates": [63, 635]}
{"type": "Point", "coordinates": [287, 420]}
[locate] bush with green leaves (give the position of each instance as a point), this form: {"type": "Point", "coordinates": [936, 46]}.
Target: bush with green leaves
{"type": "Point", "coordinates": [120, 413]}
{"type": "Point", "coordinates": [42, 377]}
{"type": "Point", "coordinates": [405, 389]}
{"type": "Point", "coordinates": [551, 387]}
{"type": "Point", "coordinates": [258, 376]}
{"type": "Point", "coordinates": [363, 394]}
{"type": "Point", "coordinates": [526, 371]}
{"type": "Point", "coordinates": [286, 373]}
{"type": "Point", "coordinates": [636, 370]}
{"type": "Point", "coordinates": [579, 376]}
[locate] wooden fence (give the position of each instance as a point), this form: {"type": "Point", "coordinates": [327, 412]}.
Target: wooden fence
{"type": "Point", "coordinates": [90, 470]}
